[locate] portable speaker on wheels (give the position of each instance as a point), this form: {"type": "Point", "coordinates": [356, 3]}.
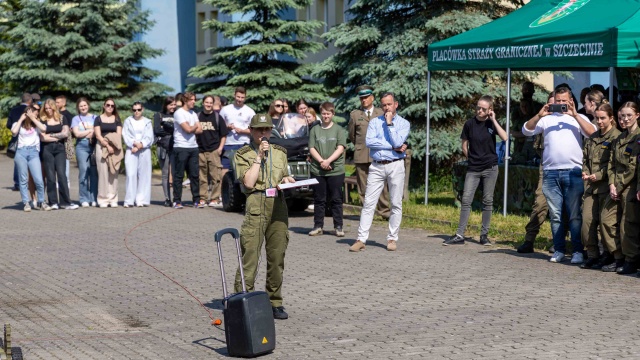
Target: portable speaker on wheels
{"type": "Point", "coordinates": [248, 319]}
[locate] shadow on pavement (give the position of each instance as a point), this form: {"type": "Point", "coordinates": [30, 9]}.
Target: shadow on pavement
{"type": "Point", "coordinates": [221, 351]}
{"type": "Point", "coordinates": [370, 243]}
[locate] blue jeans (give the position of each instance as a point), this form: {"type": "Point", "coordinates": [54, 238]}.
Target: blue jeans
{"type": "Point", "coordinates": [88, 176]}
{"type": "Point", "coordinates": [27, 161]}
{"type": "Point", "coordinates": [563, 190]}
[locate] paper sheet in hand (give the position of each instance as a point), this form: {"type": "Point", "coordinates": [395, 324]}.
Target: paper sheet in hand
{"type": "Point", "coordinates": [297, 184]}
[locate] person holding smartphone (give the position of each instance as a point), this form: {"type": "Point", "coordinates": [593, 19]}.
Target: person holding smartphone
{"type": "Point", "coordinates": [479, 147]}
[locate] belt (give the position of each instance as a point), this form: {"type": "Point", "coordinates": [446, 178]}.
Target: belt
{"type": "Point", "coordinates": [384, 162]}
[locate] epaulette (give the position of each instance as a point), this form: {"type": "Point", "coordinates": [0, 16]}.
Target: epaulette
{"type": "Point", "coordinates": [279, 147]}
{"type": "Point", "coordinates": [243, 150]}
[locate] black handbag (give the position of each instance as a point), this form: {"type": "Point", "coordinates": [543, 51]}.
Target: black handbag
{"type": "Point", "coordinates": [12, 147]}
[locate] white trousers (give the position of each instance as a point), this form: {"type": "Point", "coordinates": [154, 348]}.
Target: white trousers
{"type": "Point", "coordinates": [393, 173]}
{"type": "Point", "coordinates": [138, 167]}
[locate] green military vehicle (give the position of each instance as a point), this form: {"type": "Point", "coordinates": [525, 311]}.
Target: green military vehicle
{"type": "Point", "coordinates": [292, 133]}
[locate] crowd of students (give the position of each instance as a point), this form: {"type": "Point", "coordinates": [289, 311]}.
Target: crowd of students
{"type": "Point", "coordinates": [48, 135]}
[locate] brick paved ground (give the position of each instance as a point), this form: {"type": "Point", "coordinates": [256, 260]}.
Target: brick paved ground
{"type": "Point", "coordinates": [72, 290]}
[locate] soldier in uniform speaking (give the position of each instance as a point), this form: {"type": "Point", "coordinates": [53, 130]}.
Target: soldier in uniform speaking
{"type": "Point", "coordinates": [260, 167]}
{"type": "Point", "coordinates": [358, 124]}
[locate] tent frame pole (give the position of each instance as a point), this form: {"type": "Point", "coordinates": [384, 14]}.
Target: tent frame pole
{"type": "Point", "coordinates": [507, 152]}
{"type": "Point", "coordinates": [611, 78]}
{"type": "Point", "coordinates": [426, 157]}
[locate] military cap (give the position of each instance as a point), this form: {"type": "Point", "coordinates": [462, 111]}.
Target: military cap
{"type": "Point", "coordinates": [261, 120]}
{"type": "Point", "coordinates": [364, 91]}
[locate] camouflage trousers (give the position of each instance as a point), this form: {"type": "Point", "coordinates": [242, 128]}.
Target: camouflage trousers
{"type": "Point", "coordinates": [600, 217]}
{"type": "Point", "coordinates": [630, 225]}
{"type": "Point", "coordinates": [539, 212]}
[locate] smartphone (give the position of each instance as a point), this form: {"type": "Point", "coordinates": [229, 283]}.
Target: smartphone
{"type": "Point", "coordinates": [558, 108]}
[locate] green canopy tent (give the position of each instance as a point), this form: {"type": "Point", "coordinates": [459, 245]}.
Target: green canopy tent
{"type": "Point", "coordinates": [587, 35]}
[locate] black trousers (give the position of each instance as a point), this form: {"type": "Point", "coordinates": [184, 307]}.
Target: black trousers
{"type": "Point", "coordinates": [54, 159]}
{"type": "Point", "coordinates": [185, 159]}
{"type": "Point", "coordinates": [331, 185]}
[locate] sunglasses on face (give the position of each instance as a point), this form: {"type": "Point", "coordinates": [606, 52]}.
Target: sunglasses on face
{"type": "Point", "coordinates": [109, 105]}
{"type": "Point", "coordinates": [136, 110]}
{"type": "Point", "coordinates": [481, 108]}
{"type": "Point", "coordinates": [278, 105]}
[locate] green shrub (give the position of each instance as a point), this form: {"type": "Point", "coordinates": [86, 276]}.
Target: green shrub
{"type": "Point", "coordinates": [5, 134]}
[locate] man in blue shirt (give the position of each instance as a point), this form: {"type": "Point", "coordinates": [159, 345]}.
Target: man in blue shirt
{"type": "Point", "coordinates": [386, 136]}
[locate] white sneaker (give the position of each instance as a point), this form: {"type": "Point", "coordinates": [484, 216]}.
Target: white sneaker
{"type": "Point", "coordinates": [126, 206]}
{"type": "Point", "coordinates": [557, 257]}
{"type": "Point", "coordinates": [577, 258]}
{"type": "Point", "coordinates": [55, 207]}
{"type": "Point", "coordinates": [71, 207]}
{"type": "Point", "coordinates": [85, 204]}
{"type": "Point", "coordinates": [94, 204]}
{"type": "Point", "coordinates": [140, 205]}
{"type": "Point", "coordinates": [27, 207]}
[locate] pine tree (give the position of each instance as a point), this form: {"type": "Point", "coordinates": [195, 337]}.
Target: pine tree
{"type": "Point", "coordinates": [268, 60]}
{"type": "Point", "coordinates": [384, 44]}
{"type": "Point", "coordinates": [83, 48]}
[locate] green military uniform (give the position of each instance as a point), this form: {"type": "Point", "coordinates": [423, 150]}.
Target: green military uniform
{"type": "Point", "coordinates": [622, 173]}
{"type": "Point", "coordinates": [358, 125]}
{"type": "Point", "coordinates": [599, 211]}
{"type": "Point", "coordinates": [539, 209]}
{"type": "Point", "coordinates": [266, 219]}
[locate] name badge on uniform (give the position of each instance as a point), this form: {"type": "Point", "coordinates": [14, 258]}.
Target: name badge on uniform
{"type": "Point", "coordinates": [605, 145]}
{"type": "Point", "coordinates": [628, 150]}
{"type": "Point", "coordinates": [271, 192]}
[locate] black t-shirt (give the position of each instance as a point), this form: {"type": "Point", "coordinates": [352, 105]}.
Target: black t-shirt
{"type": "Point", "coordinates": [482, 144]}
{"type": "Point", "coordinates": [212, 132]}
{"type": "Point", "coordinates": [106, 128]}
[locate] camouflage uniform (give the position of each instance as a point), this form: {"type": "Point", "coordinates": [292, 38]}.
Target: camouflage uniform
{"type": "Point", "coordinates": [358, 124]}
{"type": "Point", "coordinates": [599, 211]}
{"type": "Point", "coordinates": [622, 173]}
{"type": "Point", "coordinates": [539, 209]}
{"type": "Point", "coordinates": [266, 218]}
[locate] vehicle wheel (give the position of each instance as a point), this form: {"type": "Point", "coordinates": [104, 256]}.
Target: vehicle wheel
{"type": "Point", "coordinates": [232, 197]}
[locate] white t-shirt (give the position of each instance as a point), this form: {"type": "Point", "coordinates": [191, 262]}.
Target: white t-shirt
{"type": "Point", "coordinates": [180, 138]}
{"type": "Point", "coordinates": [241, 118]}
{"type": "Point", "coordinates": [562, 140]}
{"type": "Point", "coordinates": [29, 137]}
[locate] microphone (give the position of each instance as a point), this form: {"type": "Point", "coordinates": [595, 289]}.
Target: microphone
{"type": "Point", "coordinates": [267, 140]}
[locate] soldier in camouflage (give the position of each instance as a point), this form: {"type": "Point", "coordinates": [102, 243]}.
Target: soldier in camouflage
{"type": "Point", "coordinates": [622, 187]}
{"type": "Point", "coordinates": [599, 211]}
{"type": "Point", "coordinates": [260, 168]}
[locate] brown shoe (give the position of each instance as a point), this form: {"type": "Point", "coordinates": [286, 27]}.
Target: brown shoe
{"type": "Point", "coordinates": [357, 246]}
{"type": "Point", "coordinates": [391, 245]}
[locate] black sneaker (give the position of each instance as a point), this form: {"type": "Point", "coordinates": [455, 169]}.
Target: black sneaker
{"type": "Point", "coordinates": [167, 203]}
{"type": "Point", "coordinates": [613, 266]}
{"type": "Point", "coordinates": [279, 313]}
{"type": "Point", "coordinates": [526, 247]}
{"type": "Point", "coordinates": [454, 240]}
{"type": "Point", "coordinates": [591, 263]}
{"type": "Point", "coordinates": [485, 241]}
{"type": "Point", "coordinates": [627, 268]}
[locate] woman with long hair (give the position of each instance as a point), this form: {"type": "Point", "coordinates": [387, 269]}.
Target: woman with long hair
{"type": "Point", "coordinates": [27, 159]}
{"type": "Point", "coordinates": [54, 156]}
{"type": "Point", "coordinates": [163, 130]}
{"type": "Point", "coordinates": [138, 136]}
{"type": "Point", "coordinates": [276, 109]}
{"type": "Point", "coordinates": [599, 211]}
{"type": "Point", "coordinates": [622, 172]}
{"type": "Point", "coordinates": [82, 127]}
{"type": "Point", "coordinates": [105, 125]}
